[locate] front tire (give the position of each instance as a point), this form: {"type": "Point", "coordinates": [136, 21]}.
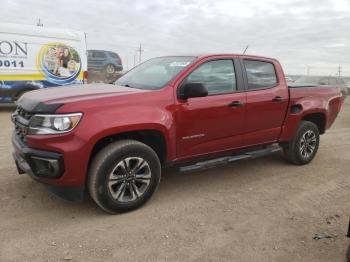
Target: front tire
{"type": "Point", "coordinates": [123, 176]}
{"type": "Point", "coordinates": [303, 148]}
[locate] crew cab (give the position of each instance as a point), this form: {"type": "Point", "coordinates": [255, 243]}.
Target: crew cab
{"type": "Point", "coordinates": [194, 112]}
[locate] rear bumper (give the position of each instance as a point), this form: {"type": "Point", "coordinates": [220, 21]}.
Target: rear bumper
{"type": "Point", "coordinates": [45, 167]}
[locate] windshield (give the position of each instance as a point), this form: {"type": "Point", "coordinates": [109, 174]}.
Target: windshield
{"type": "Point", "coordinates": [155, 73]}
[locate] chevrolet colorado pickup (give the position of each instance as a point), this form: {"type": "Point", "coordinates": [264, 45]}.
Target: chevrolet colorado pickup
{"type": "Point", "coordinates": [190, 111]}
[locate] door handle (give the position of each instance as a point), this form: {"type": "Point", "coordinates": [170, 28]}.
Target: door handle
{"type": "Point", "coordinates": [235, 104]}
{"type": "Point", "coordinates": [277, 99]}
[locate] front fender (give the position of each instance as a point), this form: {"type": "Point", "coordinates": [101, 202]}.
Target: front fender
{"type": "Point", "coordinates": [98, 125]}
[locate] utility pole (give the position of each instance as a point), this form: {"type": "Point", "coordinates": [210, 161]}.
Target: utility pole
{"type": "Point", "coordinates": [39, 23]}
{"type": "Point", "coordinates": [140, 50]}
{"type": "Point", "coordinates": [135, 58]}
{"type": "Point", "coordinates": [339, 71]}
{"type": "Point", "coordinates": [307, 70]}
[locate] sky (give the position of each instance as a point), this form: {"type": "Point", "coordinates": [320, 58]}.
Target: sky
{"type": "Point", "coordinates": [304, 35]}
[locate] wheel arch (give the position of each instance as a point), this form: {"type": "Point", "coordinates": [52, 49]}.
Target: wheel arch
{"type": "Point", "coordinates": [151, 137]}
{"type": "Point", "coordinates": [319, 119]}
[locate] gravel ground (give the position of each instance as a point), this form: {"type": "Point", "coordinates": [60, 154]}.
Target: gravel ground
{"type": "Point", "coordinates": [259, 210]}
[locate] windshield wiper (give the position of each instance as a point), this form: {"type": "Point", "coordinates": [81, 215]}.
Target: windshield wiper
{"type": "Point", "coordinates": [127, 85]}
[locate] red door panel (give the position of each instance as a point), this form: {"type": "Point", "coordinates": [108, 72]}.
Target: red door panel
{"type": "Point", "coordinates": [266, 107]}
{"type": "Point", "coordinates": [209, 124]}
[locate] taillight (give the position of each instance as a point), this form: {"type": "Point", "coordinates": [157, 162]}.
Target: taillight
{"type": "Point", "coordinates": [85, 77]}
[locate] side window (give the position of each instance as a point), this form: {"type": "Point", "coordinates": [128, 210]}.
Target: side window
{"type": "Point", "coordinates": [217, 76]}
{"type": "Point", "coordinates": [113, 55]}
{"type": "Point", "coordinates": [260, 74]}
{"type": "Point", "coordinates": [99, 54]}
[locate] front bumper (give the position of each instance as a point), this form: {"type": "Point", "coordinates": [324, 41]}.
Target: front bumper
{"type": "Point", "coordinates": [37, 163]}
{"type": "Point", "coordinates": [45, 167]}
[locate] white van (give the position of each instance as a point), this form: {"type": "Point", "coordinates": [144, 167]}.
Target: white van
{"type": "Point", "coordinates": [33, 57]}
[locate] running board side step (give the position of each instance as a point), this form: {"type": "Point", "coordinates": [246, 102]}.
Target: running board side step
{"type": "Point", "coordinates": [228, 159]}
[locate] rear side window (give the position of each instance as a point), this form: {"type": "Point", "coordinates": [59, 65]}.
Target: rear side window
{"type": "Point", "coordinates": [114, 55]}
{"type": "Point", "coordinates": [99, 54]}
{"type": "Point", "coordinates": [217, 76]}
{"type": "Point", "coordinates": [260, 74]}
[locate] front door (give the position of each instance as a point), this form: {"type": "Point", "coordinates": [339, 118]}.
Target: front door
{"type": "Point", "coordinates": [216, 122]}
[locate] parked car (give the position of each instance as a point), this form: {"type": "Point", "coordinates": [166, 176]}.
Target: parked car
{"type": "Point", "coordinates": [328, 81]}
{"type": "Point", "coordinates": [192, 112]}
{"type": "Point", "coordinates": [106, 62]}
{"type": "Point", "coordinates": [12, 90]}
{"type": "Point", "coordinates": [33, 60]}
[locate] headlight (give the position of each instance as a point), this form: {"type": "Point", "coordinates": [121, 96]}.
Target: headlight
{"type": "Point", "coordinates": [53, 124]}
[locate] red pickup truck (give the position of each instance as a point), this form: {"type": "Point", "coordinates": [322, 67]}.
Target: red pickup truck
{"type": "Point", "coordinates": [190, 111]}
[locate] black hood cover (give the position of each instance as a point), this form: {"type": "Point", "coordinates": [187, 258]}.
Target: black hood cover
{"type": "Point", "coordinates": [35, 106]}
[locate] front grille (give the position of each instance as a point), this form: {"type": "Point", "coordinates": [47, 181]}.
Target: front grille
{"type": "Point", "coordinates": [21, 120]}
{"type": "Point", "coordinates": [23, 113]}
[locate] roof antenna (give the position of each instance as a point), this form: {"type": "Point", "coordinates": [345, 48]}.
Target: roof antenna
{"type": "Point", "coordinates": [246, 48]}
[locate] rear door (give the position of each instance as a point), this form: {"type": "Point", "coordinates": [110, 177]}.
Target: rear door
{"type": "Point", "coordinates": [97, 60]}
{"type": "Point", "coordinates": [213, 123]}
{"type": "Point", "coordinates": [267, 101]}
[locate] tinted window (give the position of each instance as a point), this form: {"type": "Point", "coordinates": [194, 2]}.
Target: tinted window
{"type": "Point", "coordinates": [217, 76]}
{"type": "Point", "coordinates": [260, 74]}
{"type": "Point", "coordinates": [99, 54]}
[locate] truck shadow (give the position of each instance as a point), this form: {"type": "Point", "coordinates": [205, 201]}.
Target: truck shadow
{"type": "Point", "coordinates": [174, 188]}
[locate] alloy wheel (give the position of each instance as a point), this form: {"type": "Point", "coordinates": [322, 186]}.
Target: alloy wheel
{"type": "Point", "coordinates": [308, 144]}
{"type": "Point", "coordinates": [129, 179]}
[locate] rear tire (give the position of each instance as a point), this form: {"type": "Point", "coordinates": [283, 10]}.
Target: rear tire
{"type": "Point", "coordinates": [123, 176]}
{"type": "Point", "coordinates": [348, 254]}
{"type": "Point", "coordinates": [303, 148]}
{"type": "Point", "coordinates": [110, 69]}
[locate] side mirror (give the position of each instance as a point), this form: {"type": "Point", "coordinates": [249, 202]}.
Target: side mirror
{"type": "Point", "coordinates": [192, 89]}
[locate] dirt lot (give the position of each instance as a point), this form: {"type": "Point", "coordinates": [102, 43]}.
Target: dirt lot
{"type": "Point", "coordinates": [260, 210]}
